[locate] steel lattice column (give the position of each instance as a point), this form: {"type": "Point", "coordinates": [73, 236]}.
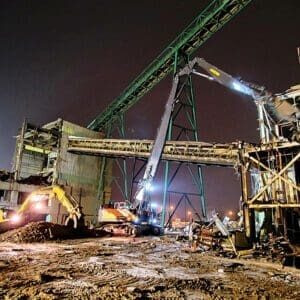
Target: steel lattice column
{"type": "Point", "coordinates": [187, 130]}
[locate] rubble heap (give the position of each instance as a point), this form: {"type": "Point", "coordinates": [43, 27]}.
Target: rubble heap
{"type": "Point", "coordinates": [44, 231]}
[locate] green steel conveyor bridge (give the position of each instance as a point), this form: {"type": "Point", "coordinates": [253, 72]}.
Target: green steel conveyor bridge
{"type": "Point", "coordinates": [225, 155]}
{"type": "Point", "coordinates": [209, 21]}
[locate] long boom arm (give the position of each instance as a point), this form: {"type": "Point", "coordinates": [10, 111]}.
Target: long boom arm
{"type": "Point", "coordinates": [157, 148]}
{"type": "Point", "coordinates": [215, 74]}
{"type": "Point", "coordinates": [279, 107]}
{"type": "Point", "coordinates": [223, 78]}
{"type": "Point", "coordinates": [258, 93]}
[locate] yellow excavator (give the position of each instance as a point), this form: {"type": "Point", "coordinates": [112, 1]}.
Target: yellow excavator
{"type": "Point", "coordinates": [2, 216]}
{"type": "Point", "coordinates": [6, 214]}
{"type": "Point", "coordinates": [37, 203]}
{"type": "Point", "coordinates": [9, 220]}
{"type": "Point", "coordinates": [38, 199]}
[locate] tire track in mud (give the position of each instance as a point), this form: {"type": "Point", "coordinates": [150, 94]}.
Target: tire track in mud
{"type": "Point", "coordinates": [102, 269]}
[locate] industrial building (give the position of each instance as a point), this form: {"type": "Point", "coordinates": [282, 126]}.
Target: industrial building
{"type": "Point", "coordinates": [127, 248]}
{"type": "Point", "coordinates": [41, 159]}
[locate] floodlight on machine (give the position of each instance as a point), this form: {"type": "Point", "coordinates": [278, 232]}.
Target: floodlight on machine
{"type": "Point", "coordinates": [145, 187]}
{"type": "Point", "coordinates": [37, 198]}
{"type": "Point", "coordinates": [242, 88]}
{"type": "Point", "coordinates": [38, 206]}
{"type": "Point", "coordinates": [15, 218]}
{"type": "Point", "coordinates": [148, 186]}
{"type": "Point", "coordinates": [153, 205]}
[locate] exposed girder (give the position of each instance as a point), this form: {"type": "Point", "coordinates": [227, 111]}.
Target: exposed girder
{"type": "Point", "coordinates": [209, 21]}
{"type": "Point", "coordinates": [226, 155]}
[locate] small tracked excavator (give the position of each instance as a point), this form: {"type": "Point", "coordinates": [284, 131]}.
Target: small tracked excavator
{"type": "Point", "coordinates": [35, 207]}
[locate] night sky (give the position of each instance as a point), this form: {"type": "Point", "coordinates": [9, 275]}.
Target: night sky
{"type": "Point", "coordinates": [70, 59]}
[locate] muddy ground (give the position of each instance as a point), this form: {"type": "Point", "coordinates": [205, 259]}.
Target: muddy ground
{"type": "Point", "coordinates": [140, 268]}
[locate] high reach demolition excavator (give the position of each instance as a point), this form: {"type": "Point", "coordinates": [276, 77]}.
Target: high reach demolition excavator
{"type": "Point", "coordinates": [145, 216]}
{"type": "Point", "coordinates": [278, 121]}
{"type": "Point", "coordinates": [278, 116]}
{"type": "Point", "coordinates": [275, 111]}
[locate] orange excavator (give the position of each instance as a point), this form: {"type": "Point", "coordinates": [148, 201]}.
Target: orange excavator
{"type": "Point", "coordinates": [117, 217]}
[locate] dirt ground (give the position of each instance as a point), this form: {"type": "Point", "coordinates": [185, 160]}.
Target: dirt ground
{"type": "Point", "coordinates": [140, 268]}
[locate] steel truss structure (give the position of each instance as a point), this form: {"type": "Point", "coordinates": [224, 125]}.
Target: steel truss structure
{"type": "Point", "coordinates": [184, 197]}
{"type": "Point", "coordinates": [183, 126]}
{"type": "Point", "coordinates": [208, 22]}
{"type": "Point", "coordinates": [226, 155]}
{"type": "Point", "coordinates": [269, 173]}
{"type": "Point", "coordinates": [270, 179]}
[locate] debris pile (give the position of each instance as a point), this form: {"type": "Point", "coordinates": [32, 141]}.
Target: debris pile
{"type": "Point", "coordinates": [213, 235]}
{"type": "Point", "coordinates": [136, 268]}
{"type": "Point", "coordinates": [275, 248]}
{"type": "Point", "coordinates": [45, 231]}
{"type": "Point", "coordinates": [229, 240]}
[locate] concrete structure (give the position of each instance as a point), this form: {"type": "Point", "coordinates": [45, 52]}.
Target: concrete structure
{"type": "Point", "coordinates": [41, 159]}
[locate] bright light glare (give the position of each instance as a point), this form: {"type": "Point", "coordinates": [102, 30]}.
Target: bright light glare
{"type": "Point", "coordinates": [140, 194]}
{"type": "Point", "coordinates": [148, 187]}
{"type": "Point", "coordinates": [153, 205]}
{"type": "Point", "coordinates": [15, 218]}
{"type": "Point", "coordinates": [237, 86]}
{"type": "Point", "coordinates": [36, 198]}
{"type": "Point", "coordinates": [242, 88]}
{"type": "Point", "coordinates": [154, 221]}
{"type": "Point", "coordinates": [38, 206]}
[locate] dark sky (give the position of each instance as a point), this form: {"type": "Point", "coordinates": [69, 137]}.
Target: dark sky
{"type": "Point", "coordinates": [70, 59]}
